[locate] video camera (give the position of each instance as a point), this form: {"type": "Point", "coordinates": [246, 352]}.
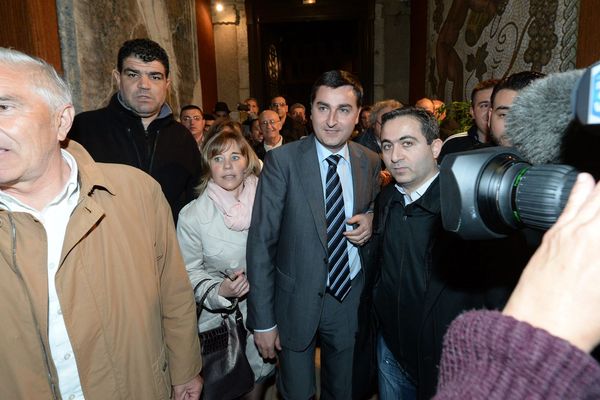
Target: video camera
{"type": "Point", "coordinates": [490, 192]}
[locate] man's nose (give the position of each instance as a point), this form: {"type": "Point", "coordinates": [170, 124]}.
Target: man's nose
{"type": "Point", "coordinates": [144, 82]}
{"type": "Point", "coordinates": [397, 154]}
{"type": "Point", "coordinates": [332, 118]}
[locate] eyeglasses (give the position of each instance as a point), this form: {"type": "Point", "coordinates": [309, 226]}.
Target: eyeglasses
{"type": "Point", "coordinates": [277, 104]}
{"type": "Point", "coordinates": [188, 118]}
{"type": "Point", "coordinates": [269, 122]}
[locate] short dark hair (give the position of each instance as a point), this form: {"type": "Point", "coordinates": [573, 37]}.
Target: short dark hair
{"type": "Point", "coordinates": [146, 50]}
{"type": "Point", "coordinates": [335, 79]}
{"type": "Point", "coordinates": [297, 105]}
{"type": "Point", "coordinates": [516, 82]}
{"type": "Point", "coordinates": [489, 83]}
{"type": "Point", "coordinates": [279, 95]}
{"type": "Point", "coordinates": [190, 107]}
{"type": "Point", "coordinates": [429, 124]}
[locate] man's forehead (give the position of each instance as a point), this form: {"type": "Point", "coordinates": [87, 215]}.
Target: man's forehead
{"type": "Point", "coordinates": [14, 82]}
{"type": "Point", "coordinates": [483, 94]}
{"type": "Point", "coordinates": [269, 115]}
{"type": "Point", "coordinates": [504, 98]}
{"type": "Point", "coordinates": [342, 95]}
{"type": "Point", "coordinates": [191, 111]}
{"type": "Point", "coordinates": [133, 62]}
{"type": "Point", "coordinates": [400, 127]}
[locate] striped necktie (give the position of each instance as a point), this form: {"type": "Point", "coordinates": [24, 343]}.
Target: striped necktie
{"type": "Point", "coordinates": [339, 268]}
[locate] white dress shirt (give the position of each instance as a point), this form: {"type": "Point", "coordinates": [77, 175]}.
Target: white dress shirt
{"type": "Point", "coordinates": [276, 145]}
{"type": "Point", "coordinates": [418, 192]}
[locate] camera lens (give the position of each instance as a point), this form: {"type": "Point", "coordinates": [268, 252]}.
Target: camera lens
{"type": "Point", "coordinates": [490, 192]}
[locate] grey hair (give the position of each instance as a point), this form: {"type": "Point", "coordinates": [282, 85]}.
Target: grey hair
{"type": "Point", "coordinates": [380, 105]}
{"type": "Point", "coordinates": [45, 80]}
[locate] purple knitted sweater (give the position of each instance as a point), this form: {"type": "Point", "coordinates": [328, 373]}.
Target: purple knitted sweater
{"type": "Point", "coordinates": [488, 355]}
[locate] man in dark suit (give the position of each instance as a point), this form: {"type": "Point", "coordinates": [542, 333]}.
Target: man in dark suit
{"type": "Point", "coordinates": [310, 218]}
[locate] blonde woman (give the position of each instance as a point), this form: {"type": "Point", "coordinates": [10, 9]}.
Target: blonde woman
{"type": "Point", "coordinates": [212, 232]}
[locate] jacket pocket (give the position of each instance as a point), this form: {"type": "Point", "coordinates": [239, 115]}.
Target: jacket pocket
{"type": "Point", "coordinates": [284, 282]}
{"type": "Point", "coordinates": [162, 378]}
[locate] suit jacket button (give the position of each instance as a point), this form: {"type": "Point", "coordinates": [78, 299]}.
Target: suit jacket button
{"type": "Point", "coordinates": [320, 294]}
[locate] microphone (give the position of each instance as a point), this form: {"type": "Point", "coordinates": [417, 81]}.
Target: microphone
{"type": "Point", "coordinates": [541, 118]}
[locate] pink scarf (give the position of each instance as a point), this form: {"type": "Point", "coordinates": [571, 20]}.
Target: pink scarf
{"type": "Point", "coordinates": [236, 212]}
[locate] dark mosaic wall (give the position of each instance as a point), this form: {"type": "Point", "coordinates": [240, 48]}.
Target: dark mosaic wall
{"type": "Point", "coordinates": [92, 31]}
{"type": "Point", "coordinates": [476, 40]}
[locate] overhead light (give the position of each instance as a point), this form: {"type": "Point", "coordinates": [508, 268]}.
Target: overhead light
{"type": "Point", "coordinates": [225, 14]}
{"type": "Point", "coordinates": [309, 1]}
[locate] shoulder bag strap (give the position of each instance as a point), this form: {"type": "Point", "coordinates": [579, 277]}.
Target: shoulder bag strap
{"type": "Point", "coordinates": [201, 302]}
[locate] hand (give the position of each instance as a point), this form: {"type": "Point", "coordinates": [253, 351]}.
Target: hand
{"type": "Point", "coordinates": [385, 177]}
{"type": "Point", "coordinates": [235, 286]}
{"type": "Point", "coordinates": [190, 390]}
{"type": "Point", "coordinates": [362, 233]}
{"type": "Point", "coordinates": [558, 290]}
{"type": "Point", "coordinates": [267, 343]}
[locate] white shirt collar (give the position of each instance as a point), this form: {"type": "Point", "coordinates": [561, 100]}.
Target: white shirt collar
{"type": "Point", "coordinates": [418, 192]}
{"type": "Point", "coordinates": [323, 152]}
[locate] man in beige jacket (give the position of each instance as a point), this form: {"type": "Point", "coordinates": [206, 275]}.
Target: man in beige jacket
{"type": "Point", "coordinates": [95, 302]}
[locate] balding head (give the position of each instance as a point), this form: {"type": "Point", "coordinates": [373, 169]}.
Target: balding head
{"type": "Point", "coordinates": [270, 125]}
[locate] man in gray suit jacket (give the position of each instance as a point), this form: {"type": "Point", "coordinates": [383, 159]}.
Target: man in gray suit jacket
{"type": "Point", "coordinates": [303, 262]}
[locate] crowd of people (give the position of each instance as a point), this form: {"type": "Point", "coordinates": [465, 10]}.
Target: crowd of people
{"type": "Point", "coordinates": [320, 224]}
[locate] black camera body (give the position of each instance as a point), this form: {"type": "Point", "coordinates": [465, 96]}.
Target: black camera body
{"type": "Point", "coordinates": [243, 107]}
{"type": "Point", "coordinates": [489, 193]}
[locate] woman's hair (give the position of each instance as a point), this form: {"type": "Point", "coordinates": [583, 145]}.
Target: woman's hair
{"type": "Point", "coordinates": [217, 140]}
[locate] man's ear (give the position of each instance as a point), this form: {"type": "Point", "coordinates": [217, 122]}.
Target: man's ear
{"type": "Point", "coordinates": [117, 77]}
{"type": "Point", "coordinates": [357, 116]}
{"type": "Point", "coordinates": [64, 121]}
{"type": "Point", "coordinates": [471, 112]}
{"type": "Point", "coordinates": [436, 147]}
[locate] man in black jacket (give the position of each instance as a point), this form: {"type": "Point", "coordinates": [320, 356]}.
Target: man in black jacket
{"type": "Point", "coordinates": [137, 127]}
{"type": "Point", "coordinates": [425, 278]}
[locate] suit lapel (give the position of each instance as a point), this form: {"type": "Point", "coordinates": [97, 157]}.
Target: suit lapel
{"type": "Point", "coordinates": [358, 165]}
{"type": "Point", "coordinates": [310, 179]}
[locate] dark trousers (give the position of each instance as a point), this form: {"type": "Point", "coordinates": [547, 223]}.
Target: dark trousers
{"type": "Point", "coordinates": [336, 334]}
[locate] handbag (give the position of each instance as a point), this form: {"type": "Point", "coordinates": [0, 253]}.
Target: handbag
{"type": "Point", "coordinates": [226, 371]}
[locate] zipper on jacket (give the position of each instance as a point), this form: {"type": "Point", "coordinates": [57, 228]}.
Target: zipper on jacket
{"type": "Point", "coordinates": [17, 271]}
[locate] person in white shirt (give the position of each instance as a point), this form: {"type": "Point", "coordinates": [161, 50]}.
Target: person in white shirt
{"type": "Point", "coordinates": [94, 296]}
